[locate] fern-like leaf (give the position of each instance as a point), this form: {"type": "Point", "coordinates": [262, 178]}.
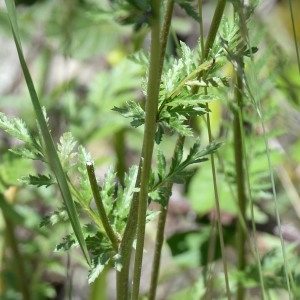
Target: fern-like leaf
{"type": "Point", "coordinates": [178, 171]}
{"type": "Point", "coordinates": [39, 180]}
{"type": "Point", "coordinates": [84, 190]}
{"type": "Point", "coordinates": [16, 128]}
{"type": "Point", "coordinates": [65, 150]}
{"type": "Point", "coordinates": [188, 8]}
{"type": "Point", "coordinates": [98, 264]}
{"type": "Point", "coordinates": [69, 242]}
{"type": "Point", "coordinates": [132, 110]}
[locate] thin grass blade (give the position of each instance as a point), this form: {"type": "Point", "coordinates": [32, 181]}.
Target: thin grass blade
{"type": "Point", "coordinates": [53, 158]}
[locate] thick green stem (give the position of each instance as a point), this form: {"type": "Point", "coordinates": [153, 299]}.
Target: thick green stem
{"type": "Point", "coordinates": [148, 142]}
{"type": "Point", "coordinates": [125, 249]}
{"type": "Point", "coordinates": [99, 204]}
{"type": "Point", "coordinates": [240, 179]}
{"type": "Point", "coordinates": [99, 288]}
{"type": "Point", "coordinates": [164, 209]}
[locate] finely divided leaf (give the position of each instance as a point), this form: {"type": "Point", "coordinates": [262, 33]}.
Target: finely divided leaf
{"type": "Point", "coordinates": [132, 110]}
{"type": "Point", "coordinates": [16, 128]}
{"type": "Point", "coordinates": [210, 82]}
{"type": "Point", "coordinates": [124, 197]}
{"type": "Point", "coordinates": [161, 165]}
{"type": "Point", "coordinates": [39, 180]}
{"type": "Point", "coordinates": [159, 133]}
{"type": "Point", "coordinates": [178, 172]}
{"type": "Point", "coordinates": [188, 8]}
{"type": "Point", "coordinates": [65, 147]}
{"type": "Point", "coordinates": [209, 149]}
{"type": "Point", "coordinates": [84, 184]}
{"type": "Point", "coordinates": [108, 189]}
{"type": "Point", "coordinates": [98, 264]}
{"type": "Point", "coordinates": [28, 152]}
{"type": "Point", "coordinates": [69, 242]}
{"type": "Point", "coordinates": [141, 57]}
{"type": "Point", "coordinates": [177, 157]}
{"type": "Point", "coordinates": [130, 189]}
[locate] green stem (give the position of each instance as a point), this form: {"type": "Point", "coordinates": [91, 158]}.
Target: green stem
{"type": "Point", "coordinates": [101, 210]}
{"type": "Point", "coordinates": [94, 216]}
{"type": "Point", "coordinates": [99, 288]}
{"type": "Point", "coordinates": [165, 33]}
{"type": "Point", "coordinates": [159, 240]}
{"type": "Point", "coordinates": [125, 250]}
{"type": "Point", "coordinates": [148, 142]}
{"type": "Point", "coordinates": [240, 179]}
{"type": "Point", "coordinates": [217, 202]}
{"type": "Point", "coordinates": [17, 258]}
{"type": "Point", "coordinates": [160, 235]}
{"type": "Point", "coordinates": [216, 21]}
{"type": "Point", "coordinates": [164, 209]}
{"type": "Point", "coordinates": [294, 34]}
{"type": "Point", "coordinates": [214, 27]}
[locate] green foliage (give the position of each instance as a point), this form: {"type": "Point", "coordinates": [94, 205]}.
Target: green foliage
{"type": "Point", "coordinates": [116, 200]}
{"type": "Point", "coordinates": [12, 168]}
{"type": "Point", "coordinates": [10, 212]}
{"type": "Point", "coordinates": [178, 171]}
{"type": "Point", "coordinates": [65, 148]}
{"type": "Point", "coordinates": [132, 110]}
{"type": "Point", "coordinates": [196, 243]}
{"type": "Point", "coordinates": [123, 199]}
{"type": "Point", "coordinates": [273, 269]}
{"type": "Point", "coordinates": [192, 89]}
{"type": "Point", "coordinates": [84, 189]}
{"type": "Point", "coordinates": [135, 12]}
{"type": "Point", "coordinates": [98, 265]}
{"type": "Point", "coordinates": [58, 216]}
{"type": "Point", "coordinates": [186, 5]}
{"type": "Point", "coordinates": [18, 129]}
{"type": "Point", "coordinates": [15, 127]}
{"type": "Point", "coordinates": [39, 180]}
{"type": "Point", "coordinates": [176, 102]}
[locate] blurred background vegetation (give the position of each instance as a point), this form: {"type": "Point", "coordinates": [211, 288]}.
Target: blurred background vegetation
{"type": "Point", "coordinates": [79, 56]}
